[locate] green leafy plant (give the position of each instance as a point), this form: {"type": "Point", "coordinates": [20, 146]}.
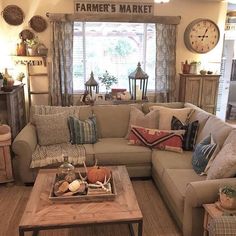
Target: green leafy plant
{"type": "Point", "coordinates": [1, 76]}
{"type": "Point", "coordinates": [228, 190]}
{"type": "Point", "coordinates": [108, 80]}
{"type": "Point", "coordinates": [32, 42]}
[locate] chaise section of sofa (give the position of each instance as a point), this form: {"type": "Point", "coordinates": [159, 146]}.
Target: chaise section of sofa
{"type": "Point", "coordinates": [178, 182]}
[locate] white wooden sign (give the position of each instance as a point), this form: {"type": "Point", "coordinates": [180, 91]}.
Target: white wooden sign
{"type": "Point", "coordinates": [83, 7]}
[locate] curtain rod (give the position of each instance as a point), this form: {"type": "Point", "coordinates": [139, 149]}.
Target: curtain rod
{"type": "Point", "coordinates": [170, 20]}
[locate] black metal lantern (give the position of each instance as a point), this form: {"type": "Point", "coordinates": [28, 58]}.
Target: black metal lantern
{"type": "Point", "coordinates": [138, 81]}
{"type": "Point", "coordinates": [92, 85]}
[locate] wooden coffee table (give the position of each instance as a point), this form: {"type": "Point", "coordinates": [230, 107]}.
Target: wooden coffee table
{"type": "Point", "coordinates": [42, 214]}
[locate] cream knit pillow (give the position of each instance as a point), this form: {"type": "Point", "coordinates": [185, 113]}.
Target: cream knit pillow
{"type": "Point", "coordinates": [166, 114]}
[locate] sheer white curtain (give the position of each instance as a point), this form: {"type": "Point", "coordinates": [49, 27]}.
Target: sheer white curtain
{"type": "Point", "coordinates": [61, 79]}
{"type": "Point", "coordinates": [165, 70]}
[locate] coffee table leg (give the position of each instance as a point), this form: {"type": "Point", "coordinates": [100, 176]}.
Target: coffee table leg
{"type": "Point", "coordinates": [35, 232]}
{"type": "Point", "coordinates": [140, 229]}
{"type": "Point", "coordinates": [21, 232]}
{"type": "Point", "coordinates": [131, 229]}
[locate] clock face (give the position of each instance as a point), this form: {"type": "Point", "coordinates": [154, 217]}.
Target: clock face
{"type": "Point", "coordinates": [201, 36]}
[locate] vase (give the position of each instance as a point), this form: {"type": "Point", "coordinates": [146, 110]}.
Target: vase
{"type": "Point", "coordinates": [31, 51]}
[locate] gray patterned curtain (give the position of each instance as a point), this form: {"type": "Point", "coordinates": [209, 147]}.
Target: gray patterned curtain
{"type": "Point", "coordinates": [165, 62]}
{"type": "Point", "coordinates": [61, 81]}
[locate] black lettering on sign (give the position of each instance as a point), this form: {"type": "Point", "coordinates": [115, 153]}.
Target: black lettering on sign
{"type": "Point", "coordinates": [113, 8]}
{"type": "Point", "coordinates": [140, 9]}
{"type": "Point", "coordinates": [89, 7]}
{"type": "Point", "coordinates": [95, 7]}
{"type": "Point", "coordinates": [83, 7]}
{"type": "Point", "coordinates": [147, 9]}
{"type": "Point", "coordinates": [77, 6]}
{"type": "Point", "coordinates": [122, 8]}
{"type": "Point", "coordinates": [135, 9]}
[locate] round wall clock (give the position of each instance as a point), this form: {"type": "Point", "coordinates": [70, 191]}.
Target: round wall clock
{"type": "Point", "coordinates": [201, 35]}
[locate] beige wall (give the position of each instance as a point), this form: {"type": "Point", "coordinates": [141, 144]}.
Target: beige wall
{"type": "Point", "coordinates": [187, 9]}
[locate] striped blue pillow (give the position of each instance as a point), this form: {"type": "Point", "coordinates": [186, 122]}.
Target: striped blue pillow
{"type": "Point", "coordinates": [82, 132]}
{"type": "Point", "coordinates": [202, 154]}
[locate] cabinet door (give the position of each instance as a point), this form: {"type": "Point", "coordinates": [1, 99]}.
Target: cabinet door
{"type": "Point", "coordinates": [209, 93]}
{"type": "Point", "coordinates": [193, 90]}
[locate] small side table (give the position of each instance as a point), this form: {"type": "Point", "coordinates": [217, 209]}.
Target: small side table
{"type": "Point", "coordinates": [211, 212]}
{"type": "Point", "coordinates": [5, 162]}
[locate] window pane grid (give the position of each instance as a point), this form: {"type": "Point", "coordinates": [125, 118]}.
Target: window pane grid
{"type": "Point", "coordinates": [115, 47]}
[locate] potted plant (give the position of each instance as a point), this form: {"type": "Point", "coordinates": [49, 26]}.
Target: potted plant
{"type": "Point", "coordinates": [108, 80]}
{"type": "Point", "coordinates": [32, 46]}
{"type": "Point", "coordinates": [228, 197]}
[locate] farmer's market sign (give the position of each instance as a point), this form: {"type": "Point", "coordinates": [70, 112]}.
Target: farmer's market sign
{"type": "Point", "coordinates": [113, 8]}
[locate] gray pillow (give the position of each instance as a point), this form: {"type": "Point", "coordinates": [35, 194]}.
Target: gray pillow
{"type": "Point", "coordinates": [52, 129]}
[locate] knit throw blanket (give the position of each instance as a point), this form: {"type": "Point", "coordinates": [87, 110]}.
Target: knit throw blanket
{"type": "Point", "coordinates": [53, 154]}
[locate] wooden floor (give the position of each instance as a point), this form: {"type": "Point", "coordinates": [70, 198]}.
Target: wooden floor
{"type": "Point", "coordinates": [157, 219]}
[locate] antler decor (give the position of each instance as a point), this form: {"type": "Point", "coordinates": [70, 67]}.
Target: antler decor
{"type": "Point", "coordinates": [93, 180]}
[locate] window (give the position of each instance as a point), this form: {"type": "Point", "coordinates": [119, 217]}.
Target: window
{"type": "Point", "coordinates": [115, 47]}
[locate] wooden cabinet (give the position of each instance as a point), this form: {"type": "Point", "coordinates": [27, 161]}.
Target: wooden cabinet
{"type": "Point", "coordinates": [200, 90]}
{"type": "Point", "coordinates": [12, 110]}
{"type": "Point", "coordinates": [5, 162]}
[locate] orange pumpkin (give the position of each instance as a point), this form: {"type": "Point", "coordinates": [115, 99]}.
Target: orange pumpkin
{"type": "Point", "coordinates": [97, 173]}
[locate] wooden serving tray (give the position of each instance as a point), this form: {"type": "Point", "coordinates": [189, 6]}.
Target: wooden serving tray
{"type": "Point", "coordinates": [85, 197]}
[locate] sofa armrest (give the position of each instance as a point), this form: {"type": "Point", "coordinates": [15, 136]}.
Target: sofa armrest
{"type": "Point", "coordinates": [23, 146]}
{"type": "Point", "coordinates": [198, 193]}
{"type": "Point", "coordinates": [203, 192]}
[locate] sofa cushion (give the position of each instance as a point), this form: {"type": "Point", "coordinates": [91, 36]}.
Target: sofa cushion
{"type": "Point", "coordinates": [190, 134]}
{"type": "Point", "coordinates": [198, 114]}
{"type": "Point", "coordinates": [218, 128]}
{"type": "Point", "coordinates": [175, 181]}
{"type": "Point", "coordinates": [171, 140]}
{"type": "Point", "coordinates": [203, 153]}
{"type": "Point", "coordinates": [162, 160]}
{"type": "Point", "coordinates": [166, 114]}
{"type": "Point", "coordinates": [112, 120]}
{"type": "Point", "coordinates": [82, 132]}
{"type": "Point", "coordinates": [224, 164]}
{"type": "Point", "coordinates": [137, 117]}
{"type": "Point", "coordinates": [52, 129]}
{"type": "Point", "coordinates": [146, 106]}
{"type": "Point", "coordinates": [116, 151]}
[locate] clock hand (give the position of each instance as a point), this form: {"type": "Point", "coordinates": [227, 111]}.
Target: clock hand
{"type": "Point", "coordinates": [204, 35]}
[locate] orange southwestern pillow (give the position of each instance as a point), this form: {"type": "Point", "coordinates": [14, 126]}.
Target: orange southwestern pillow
{"type": "Point", "coordinates": [170, 140]}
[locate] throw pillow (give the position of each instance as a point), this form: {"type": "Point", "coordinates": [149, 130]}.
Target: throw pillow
{"type": "Point", "coordinates": [166, 114]}
{"type": "Point", "coordinates": [190, 134]}
{"type": "Point", "coordinates": [202, 154]}
{"type": "Point", "coordinates": [52, 129]}
{"type": "Point", "coordinates": [82, 132]}
{"type": "Point", "coordinates": [138, 118]}
{"type": "Point", "coordinates": [224, 164]}
{"type": "Point", "coordinates": [170, 140]}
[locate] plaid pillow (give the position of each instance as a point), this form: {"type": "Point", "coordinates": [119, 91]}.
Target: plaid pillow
{"type": "Point", "coordinates": [190, 134]}
{"type": "Point", "coordinates": [82, 132]}
{"type": "Point", "coordinates": [170, 140]}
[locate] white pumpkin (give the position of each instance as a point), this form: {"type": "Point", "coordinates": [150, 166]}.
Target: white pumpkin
{"type": "Point", "coordinates": [74, 186]}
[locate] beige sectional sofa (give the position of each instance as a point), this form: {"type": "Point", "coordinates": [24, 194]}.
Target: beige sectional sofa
{"type": "Point", "coordinates": [183, 190]}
